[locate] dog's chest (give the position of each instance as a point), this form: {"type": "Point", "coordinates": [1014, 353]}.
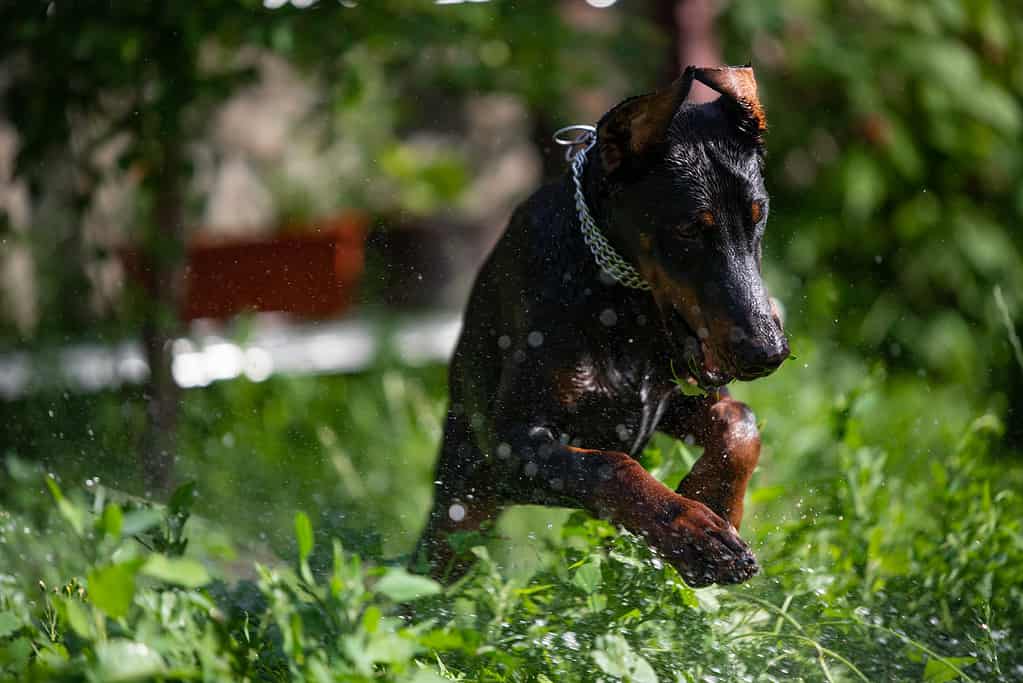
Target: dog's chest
{"type": "Point", "coordinates": [611, 403]}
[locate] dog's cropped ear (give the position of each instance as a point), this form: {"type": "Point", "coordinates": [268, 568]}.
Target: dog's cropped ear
{"type": "Point", "coordinates": [738, 88]}
{"type": "Point", "coordinates": [639, 123]}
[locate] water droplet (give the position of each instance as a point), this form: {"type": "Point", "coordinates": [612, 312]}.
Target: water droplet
{"type": "Point", "coordinates": [456, 512]}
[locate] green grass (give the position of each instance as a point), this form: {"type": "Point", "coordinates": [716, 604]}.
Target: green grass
{"type": "Point", "coordinates": [886, 515]}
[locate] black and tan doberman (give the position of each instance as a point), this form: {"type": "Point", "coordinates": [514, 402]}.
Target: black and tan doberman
{"type": "Point", "coordinates": [637, 273]}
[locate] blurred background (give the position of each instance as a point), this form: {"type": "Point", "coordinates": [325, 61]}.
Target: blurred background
{"type": "Point", "coordinates": [235, 237]}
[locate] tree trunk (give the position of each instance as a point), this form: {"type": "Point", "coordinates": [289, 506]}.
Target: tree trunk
{"type": "Point", "coordinates": [163, 254]}
{"type": "Point", "coordinates": [690, 24]}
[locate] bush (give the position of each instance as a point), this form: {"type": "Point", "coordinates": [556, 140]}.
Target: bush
{"type": "Point", "coordinates": [878, 566]}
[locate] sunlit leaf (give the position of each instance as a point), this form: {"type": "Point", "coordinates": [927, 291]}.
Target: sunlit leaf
{"type": "Point", "coordinates": [304, 535]}
{"type": "Point", "coordinates": [112, 521]}
{"type": "Point", "coordinates": [401, 586]}
{"type": "Point", "coordinates": [74, 515]}
{"type": "Point", "coordinates": [78, 618]}
{"type": "Point", "coordinates": [587, 577]}
{"type": "Point", "coordinates": [120, 660]}
{"type": "Point", "coordinates": [177, 570]}
{"type": "Point", "coordinates": [944, 670]}
{"type": "Point", "coordinates": [371, 619]}
{"type": "Point", "coordinates": [615, 657]}
{"type": "Point", "coordinates": [112, 588]}
{"type": "Point", "coordinates": [137, 521]}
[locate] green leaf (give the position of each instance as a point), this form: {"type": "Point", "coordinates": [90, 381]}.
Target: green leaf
{"type": "Point", "coordinates": [371, 619]}
{"type": "Point", "coordinates": [587, 577]}
{"type": "Point", "coordinates": [863, 185]}
{"type": "Point", "coordinates": [940, 671]}
{"type": "Point", "coordinates": [401, 586]}
{"type": "Point", "coordinates": [74, 516]}
{"type": "Point", "coordinates": [15, 654]}
{"type": "Point", "coordinates": [177, 570]}
{"type": "Point", "coordinates": [8, 624]}
{"type": "Point", "coordinates": [125, 660]}
{"type": "Point", "coordinates": [427, 676]}
{"type": "Point", "coordinates": [78, 619]}
{"type": "Point", "coordinates": [137, 521]}
{"type": "Point", "coordinates": [112, 588]}
{"type": "Point", "coordinates": [615, 657]}
{"type": "Point", "coordinates": [51, 656]}
{"type": "Point", "coordinates": [389, 648]}
{"type": "Point", "coordinates": [112, 521]}
{"type": "Point", "coordinates": [181, 500]}
{"type": "Point", "coordinates": [304, 534]}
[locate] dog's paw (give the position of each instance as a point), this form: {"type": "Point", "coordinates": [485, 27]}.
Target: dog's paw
{"type": "Point", "coordinates": [704, 548]}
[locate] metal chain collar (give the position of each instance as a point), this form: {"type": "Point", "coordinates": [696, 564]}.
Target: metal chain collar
{"type": "Point", "coordinates": [606, 256]}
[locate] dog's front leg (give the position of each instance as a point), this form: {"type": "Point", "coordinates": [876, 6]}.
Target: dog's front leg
{"type": "Point", "coordinates": [727, 430]}
{"type": "Point", "coordinates": [703, 547]}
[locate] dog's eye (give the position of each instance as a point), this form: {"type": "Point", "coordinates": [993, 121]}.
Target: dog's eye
{"type": "Point", "coordinates": [688, 230]}
{"type": "Point", "coordinates": [756, 211]}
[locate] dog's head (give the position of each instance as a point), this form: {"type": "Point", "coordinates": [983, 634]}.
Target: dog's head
{"type": "Point", "coordinates": [683, 197]}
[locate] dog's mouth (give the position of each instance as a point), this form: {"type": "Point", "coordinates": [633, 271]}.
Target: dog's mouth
{"type": "Point", "coordinates": [695, 360]}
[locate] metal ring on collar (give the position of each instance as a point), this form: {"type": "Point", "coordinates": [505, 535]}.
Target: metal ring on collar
{"type": "Point", "coordinates": [575, 138]}
{"type": "Point", "coordinates": [582, 133]}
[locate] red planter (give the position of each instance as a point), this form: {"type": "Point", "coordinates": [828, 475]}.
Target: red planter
{"type": "Point", "coordinates": [313, 273]}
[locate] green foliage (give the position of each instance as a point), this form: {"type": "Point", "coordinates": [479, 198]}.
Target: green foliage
{"type": "Point", "coordinates": [886, 512]}
{"type": "Point", "coordinates": [137, 84]}
{"type": "Point", "coordinates": [887, 521]}
{"type": "Point", "coordinates": [895, 149]}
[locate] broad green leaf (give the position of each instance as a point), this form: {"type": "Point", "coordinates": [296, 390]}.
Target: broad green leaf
{"type": "Point", "coordinates": [78, 619]}
{"type": "Point", "coordinates": [112, 588]}
{"type": "Point", "coordinates": [389, 648]}
{"type": "Point", "coordinates": [137, 521]}
{"type": "Point", "coordinates": [121, 660]}
{"type": "Point", "coordinates": [52, 656]}
{"type": "Point", "coordinates": [940, 671]}
{"type": "Point", "coordinates": [8, 624]}
{"type": "Point", "coordinates": [401, 586]}
{"type": "Point", "coordinates": [615, 657]}
{"type": "Point", "coordinates": [304, 534]}
{"type": "Point", "coordinates": [15, 654]}
{"type": "Point", "coordinates": [708, 600]}
{"type": "Point", "coordinates": [587, 577]}
{"type": "Point", "coordinates": [177, 570]}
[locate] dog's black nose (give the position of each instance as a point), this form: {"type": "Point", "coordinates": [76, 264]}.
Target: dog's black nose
{"type": "Point", "coordinates": [758, 356]}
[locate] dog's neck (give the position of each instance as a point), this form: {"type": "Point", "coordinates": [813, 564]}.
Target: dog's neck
{"type": "Point", "coordinates": [583, 284]}
{"type": "Point", "coordinates": [596, 190]}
